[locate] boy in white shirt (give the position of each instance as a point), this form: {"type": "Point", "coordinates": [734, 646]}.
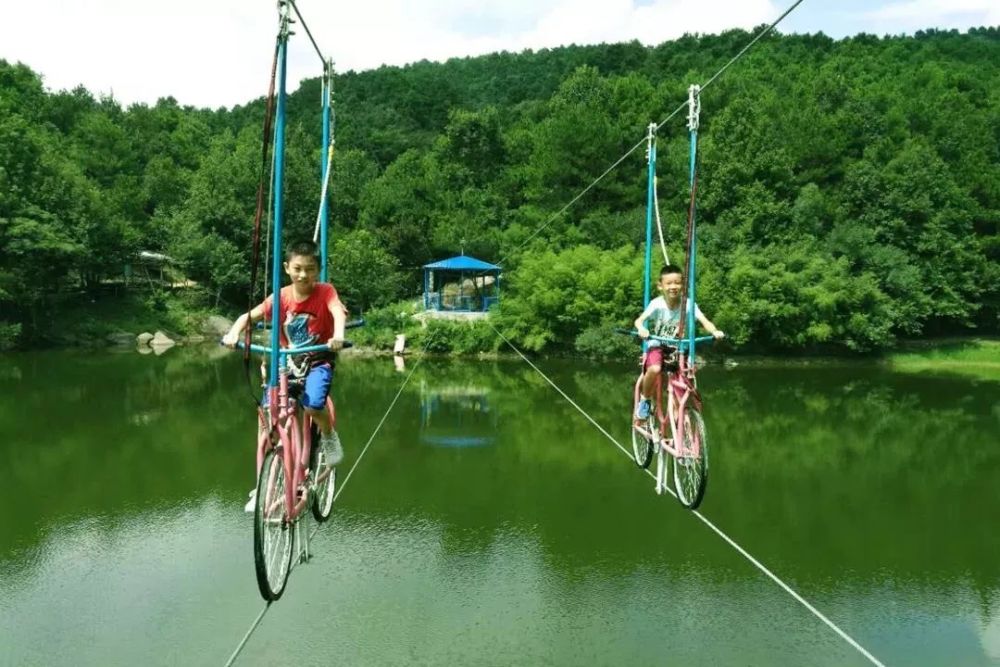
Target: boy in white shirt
{"type": "Point", "coordinates": [664, 315]}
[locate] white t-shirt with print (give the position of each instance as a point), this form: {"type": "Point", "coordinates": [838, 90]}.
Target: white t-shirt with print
{"type": "Point", "coordinates": [661, 320]}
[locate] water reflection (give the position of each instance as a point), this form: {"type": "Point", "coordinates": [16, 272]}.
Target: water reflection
{"type": "Point", "coordinates": [989, 633]}
{"type": "Point", "coordinates": [872, 493]}
{"type": "Point", "coordinates": [455, 415]}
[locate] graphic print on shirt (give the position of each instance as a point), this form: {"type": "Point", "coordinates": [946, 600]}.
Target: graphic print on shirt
{"type": "Point", "coordinates": [297, 329]}
{"type": "Point", "coordinates": [663, 320]}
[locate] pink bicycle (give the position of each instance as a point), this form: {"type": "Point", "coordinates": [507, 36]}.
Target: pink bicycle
{"type": "Point", "coordinates": [292, 474]}
{"type": "Point", "coordinates": [676, 431]}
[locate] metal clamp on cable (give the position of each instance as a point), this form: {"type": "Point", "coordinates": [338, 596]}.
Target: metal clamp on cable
{"type": "Point", "coordinates": [284, 18]}
{"type": "Point", "coordinates": [694, 106]}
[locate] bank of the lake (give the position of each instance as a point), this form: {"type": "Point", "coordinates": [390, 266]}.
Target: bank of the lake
{"type": "Point", "coordinates": [978, 357]}
{"type": "Point", "coordinates": [100, 322]}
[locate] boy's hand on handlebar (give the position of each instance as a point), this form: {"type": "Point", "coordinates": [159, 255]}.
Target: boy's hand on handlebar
{"type": "Point", "coordinates": [719, 335]}
{"type": "Point", "coordinates": [335, 344]}
{"type": "Point", "coordinates": [643, 332]}
{"type": "Point", "coordinates": [230, 339]}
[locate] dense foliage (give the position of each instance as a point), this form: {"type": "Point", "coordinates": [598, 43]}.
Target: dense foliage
{"type": "Point", "coordinates": [849, 190]}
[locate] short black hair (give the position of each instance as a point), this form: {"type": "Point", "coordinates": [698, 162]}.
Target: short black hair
{"type": "Point", "coordinates": [302, 249]}
{"type": "Point", "coordinates": [670, 268]}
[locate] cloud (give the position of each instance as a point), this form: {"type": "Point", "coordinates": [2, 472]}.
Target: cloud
{"type": "Point", "coordinates": [915, 14]}
{"type": "Point", "coordinates": [218, 52]}
{"type": "Point", "coordinates": [470, 28]}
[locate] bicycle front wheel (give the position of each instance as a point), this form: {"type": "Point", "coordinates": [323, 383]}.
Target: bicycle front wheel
{"type": "Point", "coordinates": [642, 446]}
{"type": "Point", "coordinates": [272, 532]}
{"type": "Point", "coordinates": [691, 462]}
{"type": "Point", "coordinates": [325, 479]}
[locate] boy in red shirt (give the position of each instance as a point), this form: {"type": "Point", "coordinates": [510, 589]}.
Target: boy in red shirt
{"type": "Point", "coordinates": [311, 313]}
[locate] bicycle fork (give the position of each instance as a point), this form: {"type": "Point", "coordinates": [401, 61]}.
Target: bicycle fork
{"type": "Point", "coordinates": [663, 445]}
{"type": "Point", "coordinates": [302, 538]}
{"type": "Point", "coordinates": [661, 469]}
{"type": "Point", "coordinates": [668, 447]}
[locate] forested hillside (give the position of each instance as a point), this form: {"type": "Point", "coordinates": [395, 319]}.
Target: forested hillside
{"type": "Point", "coordinates": [849, 190]}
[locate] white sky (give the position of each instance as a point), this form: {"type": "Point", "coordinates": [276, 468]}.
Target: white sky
{"type": "Point", "coordinates": [218, 52]}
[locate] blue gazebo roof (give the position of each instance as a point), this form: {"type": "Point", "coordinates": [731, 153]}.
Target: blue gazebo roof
{"type": "Point", "coordinates": [462, 263]}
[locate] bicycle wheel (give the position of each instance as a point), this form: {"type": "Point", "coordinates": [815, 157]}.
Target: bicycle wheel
{"type": "Point", "coordinates": [272, 533]}
{"type": "Point", "coordinates": [642, 447]}
{"type": "Point", "coordinates": [691, 463]}
{"type": "Point", "coordinates": [326, 479]}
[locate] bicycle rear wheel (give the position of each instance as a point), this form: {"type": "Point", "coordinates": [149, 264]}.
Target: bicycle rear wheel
{"type": "Point", "coordinates": [326, 479]}
{"type": "Point", "coordinates": [691, 463]}
{"type": "Point", "coordinates": [272, 533]}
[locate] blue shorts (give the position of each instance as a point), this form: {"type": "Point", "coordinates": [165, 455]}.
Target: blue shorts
{"type": "Point", "coordinates": [315, 388]}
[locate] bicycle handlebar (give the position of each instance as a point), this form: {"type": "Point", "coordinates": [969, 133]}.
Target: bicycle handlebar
{"type": "Point", "coordinates": [291, 351]}
{"type": "Point", "coordinates": [682, 342]}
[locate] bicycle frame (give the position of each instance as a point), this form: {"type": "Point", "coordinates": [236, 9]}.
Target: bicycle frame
{"type": "Point", "coordinates": [293, 428]}
{"type": "Point", "coordinates": [682, 391]}
{"type": "Point", "coordinates": [681, 386]}
{"type": "Point", "coordinates": [285, 424]}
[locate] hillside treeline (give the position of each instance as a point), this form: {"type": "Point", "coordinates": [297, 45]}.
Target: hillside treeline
{"type": "Point", "coordinates": [849, 190]}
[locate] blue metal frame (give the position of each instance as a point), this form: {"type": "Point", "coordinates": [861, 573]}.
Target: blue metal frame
{"type": "Point", "coordinates": [650, 205]}
{"type": "Point", "coordinates": [279, 175]}
{"type": "Point", "coordinates": [324, 159]}
{"type": "Point", "coordinates": [690, 330]}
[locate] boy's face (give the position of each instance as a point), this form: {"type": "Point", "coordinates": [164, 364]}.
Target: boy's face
{"type": "Point", "coordinates": [670, 286]}
{"type": "Point", "coordinates": [302, 269]}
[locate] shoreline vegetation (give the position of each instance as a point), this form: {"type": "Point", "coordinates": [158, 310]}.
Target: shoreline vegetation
{"type": "Point", "coordinates": [117, 323]}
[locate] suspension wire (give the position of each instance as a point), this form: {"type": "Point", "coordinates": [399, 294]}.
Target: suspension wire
{"type": "Point", "coordinates": [243, 642]}
{"type": "Point", "coordinates": [574, 200]}
{"type": "Point", "coordinates": [659, 223]}
{"type": "Point", "coordinates": [672, 114]}
{"type": "Point", "coordinates": [743, 552]}
{"type": "Point", "coordinates": [384, 417]}
{"type": "Point", "coordinates": [751, 43]}
{"type": "Point", "coordinates": [663, 122]}
{"type": "Point", "coordinates": [303, 22]}
{"type": "Point", "coordinates": [323, 192]}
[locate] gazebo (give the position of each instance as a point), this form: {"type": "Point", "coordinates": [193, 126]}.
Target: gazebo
{"type": "Point", "coordinates": [461, 284]}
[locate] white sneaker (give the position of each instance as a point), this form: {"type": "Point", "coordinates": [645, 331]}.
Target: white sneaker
{"type": "Point", "coordinates": [332, 450]}
{"type": "Point", "coordinates": [251, 505]}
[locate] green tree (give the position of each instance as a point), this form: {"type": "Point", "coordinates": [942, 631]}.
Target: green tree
{"type": "Point", "coordinates": [364, 273]}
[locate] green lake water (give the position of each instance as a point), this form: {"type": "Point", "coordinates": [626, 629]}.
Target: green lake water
{"type": "Point", "coordinates": [490, 524]}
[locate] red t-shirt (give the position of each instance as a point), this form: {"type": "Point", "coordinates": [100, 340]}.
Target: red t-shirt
{"type": "Point", "coordinates": [307, 322]}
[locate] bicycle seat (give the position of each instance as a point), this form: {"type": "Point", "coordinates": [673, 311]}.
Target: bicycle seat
{"type": "Point", "coordinates": [295, 388]}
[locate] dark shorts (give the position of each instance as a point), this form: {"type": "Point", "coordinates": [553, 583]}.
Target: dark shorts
{"type": "Point", "coordinates": [659, 356]}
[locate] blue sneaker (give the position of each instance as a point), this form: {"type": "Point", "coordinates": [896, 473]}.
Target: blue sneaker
{"type": "Point", "coordinates": [642, 409]}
